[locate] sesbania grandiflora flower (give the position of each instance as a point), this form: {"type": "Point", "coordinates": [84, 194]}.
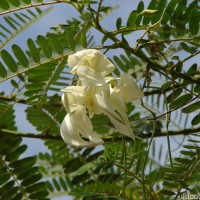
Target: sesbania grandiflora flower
{"type": "Point", "coordinates": [95, 93]}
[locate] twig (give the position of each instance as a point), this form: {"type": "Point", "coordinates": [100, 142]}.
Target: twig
{"type": "Point", "coordinates": [169, 69]}
{"type": "Point", "coordinates": [31, 67]}
{"type": "Point", "coordinates": [164, 41]}
{"type": "Point", "coordinates": [98, 12]}
{"type": "Point", "coordinates": [160, 91]}
{"type": "Point", "coordinates": [31, 6]}
{"type": "Point", "coordinates": [144, 136]}
{"type": "Point", "coordinates": [147, 30]}
{"type": "Point", "coordinates": [172, 110]}
{"type": "Point", "coordinates": [132, 174]}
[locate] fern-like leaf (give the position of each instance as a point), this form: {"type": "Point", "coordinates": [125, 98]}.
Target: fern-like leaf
{"type": "Point", "coordinates": [16, 23]}
{"type": "Point", "coordinates": [19, 177]}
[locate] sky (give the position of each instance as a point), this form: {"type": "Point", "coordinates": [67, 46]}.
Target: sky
{"type": "Point", "coordinates": [59, 14]}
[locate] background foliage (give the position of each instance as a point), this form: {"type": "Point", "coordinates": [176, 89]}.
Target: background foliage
{"type": "Point", "coordinates": [163, 63]}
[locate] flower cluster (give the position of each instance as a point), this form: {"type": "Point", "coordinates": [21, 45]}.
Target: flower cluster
{"type": "Point", "coordinates": [95, 93]}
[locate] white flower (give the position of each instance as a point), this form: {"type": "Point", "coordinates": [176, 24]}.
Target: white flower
{"type": "Point", "coordinates": [96, 93]}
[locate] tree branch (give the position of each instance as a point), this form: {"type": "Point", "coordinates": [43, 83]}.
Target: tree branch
{"type": "Point", "coordinates": [169, 69]}
{"type": "Point", "coordinates": [98, 12]}
{"type": "Point", "coordinates": [165, 41]}
{"type": "Point", "coordinates": [160, 91]}
{"type": "Point", "coordinates": [11, 99]}
{"type": "Point", "coordinates": [29, 135]}
{"type": "Point", "coordinates": [173, 133]}
{"type": "Point", "coordinates": [21, 101]}
{"type": "Point", "coordinates": [106, 139]}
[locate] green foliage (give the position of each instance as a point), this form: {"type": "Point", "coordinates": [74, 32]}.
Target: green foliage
{"type": "Point", "coordinates": [191, 108]}
{"type": "Point", "coordinates": [7, 116]}
{"type": "Point", "coordinates": [20, 178]}
{"type": "Point", "coordinates": [185, 168]}
{"type": "Point", "coordinates": [17, 22]}
{"type": "Point", "coordinates": [194, 21]}
{"type": "Point", "coordinates": [162, 61]}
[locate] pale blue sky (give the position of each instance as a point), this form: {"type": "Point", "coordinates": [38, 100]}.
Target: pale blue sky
{"type": "Point", "coordinates": [60, 14]}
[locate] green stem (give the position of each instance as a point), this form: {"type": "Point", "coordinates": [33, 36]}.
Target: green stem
{"type": "Point", "coordinates": [10, 171]}
{"type": "Point", "coordinates": [25, 70]}
{"type": "Point", "coordinates": [148, 148]}
{"type": "Point", "coordinates": [169, 69]}
{"type": "Point", "coordinates": [32, 6]}
{"type": "Point", "coordinates": [168, 138]}
{"type": "Point", "coordinates": [165, 41]}
{"type": "Point", "coordinates": [133, 175]}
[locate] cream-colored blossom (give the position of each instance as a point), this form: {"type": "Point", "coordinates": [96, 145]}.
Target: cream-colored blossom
{"type": "Point", "coordinates": [95, 93]}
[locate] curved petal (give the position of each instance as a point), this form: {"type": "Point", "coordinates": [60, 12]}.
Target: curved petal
{"type": "Point", "coordinates": [129, 89]}
{"type": "Point", "coordinates": [93, 59]}
{"type": "Point", "coordinates": [121, 126]}
{"type": "Point", "coordinates": [85, 126]}
{"type": "Point", "coordinates": [89, 77]}
{"type": "Point", "coordinates": [119, 120]}
{"type": "Point", "coordinates": [102, 64]}
{"type": "Point", "coordinates": [119, 105]}
{"type": "Point", "coordinates": [70, 134]}
{"type": "Point", "coordinates": [77, 124]}
{"type": "Point", "coordinates": [75, 90]}
{"type": "Point", "coordinates": [117, 100]}
{"type": "Point", "coordinates": [73, 97]}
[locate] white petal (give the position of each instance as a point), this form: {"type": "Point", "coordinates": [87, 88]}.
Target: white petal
{"type": "Point", "coordinates": [73, 97]}
{"type": "Point", "coordinates": [75, 90]}
{"type": "Point", "coordinates": [78, 123]}
{"type": "Point", "coordinates": [89, 77]}
{"type": "Point", "coordinates": [70, 134]}
{"type": "Point", "coordinates": [103, 101]}
{"type": "Point", "coordinates": [101, 98]}
{"type": "Point", "coordinates": [117, 100]}
{"type": "Point", "coordinates": [102, 64]}
{"type": "Point", "coordinates": [121, 126]}
{"type": "Point", "coordinates": [129, 89]}
{"type": "Point", "coordinates": [85, 126]}
{"type": "Point", "coordinates": [65, 102]}
{"type": "Point", "coordinates": [93, 59]}
{"type": "Point", "coordinates": [113, 80]}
